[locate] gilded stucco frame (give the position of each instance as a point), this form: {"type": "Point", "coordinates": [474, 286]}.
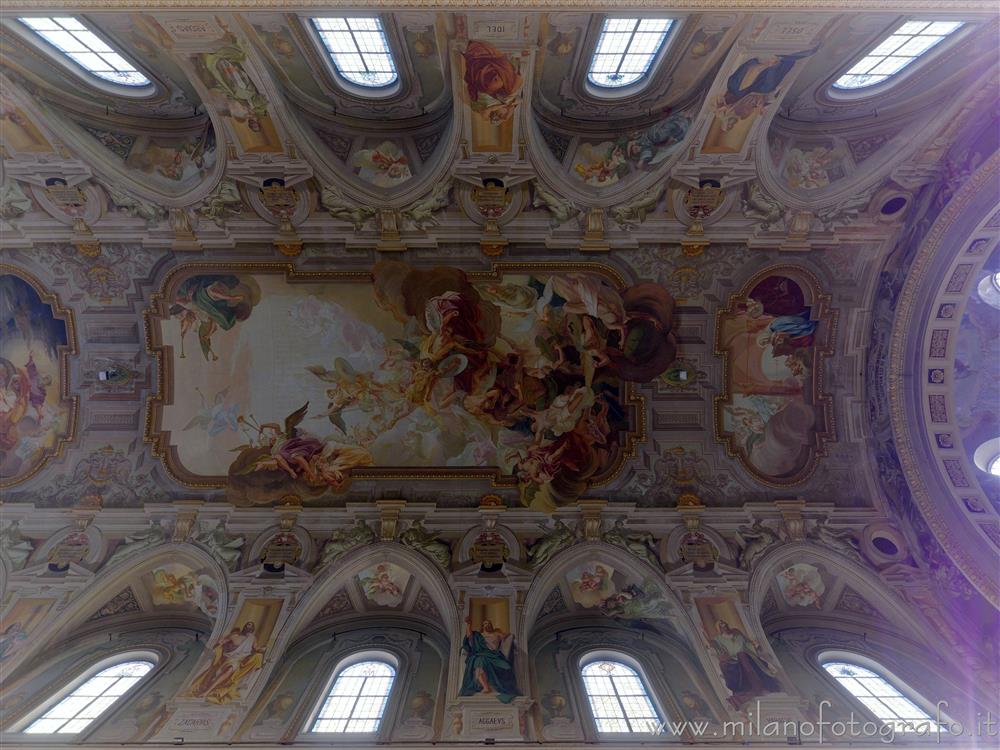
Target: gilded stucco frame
{"type": "Point", "coordinates": [65, 315]}
{"type": "Point", "coordinates": [159, 440]}
{"type": "Point", "coordinates": [822, 401]}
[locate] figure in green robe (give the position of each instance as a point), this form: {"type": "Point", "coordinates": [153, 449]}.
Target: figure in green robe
{"type": "Point", "coordinates": [489, 662]}
{"type": "Point", "coordinates": [212, 302]}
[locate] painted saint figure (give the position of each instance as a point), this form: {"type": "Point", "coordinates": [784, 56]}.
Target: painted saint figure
{"type": "Point", "coordinates": [213, 302]}
{"type": "Point", "coordinates": [746, 673]}
{"type": "Point", "coordinates": [236, 656]}
{"type": "Point", "coordinates": [750, 90]}
{"type": "Point", "coordinates": [242, 99]}
{"type": "Point", "coordinates": [22, 396]}
{"type": "Point", "coordinates": [489, 662]}
{"type": "Point", "coordinates": [492, 81]}
{"type": "Point", "coordinates": [749, 87]}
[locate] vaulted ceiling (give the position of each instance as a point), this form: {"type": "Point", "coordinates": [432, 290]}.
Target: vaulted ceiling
{"type": "Point", "coordinates": [733, 177]}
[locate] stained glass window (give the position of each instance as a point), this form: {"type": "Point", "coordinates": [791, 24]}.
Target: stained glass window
{"type": "Point", "coordinates": [895, 52]}
{"type": "Point", "coordinates": [71, 36]}
{"type": "Point", "coordinates": [619, 699]}
{"type": "Point", "coordinates": [359, 49]}
{"type": "Point", "coordinates": [357, 699]}
{"type": "Point", "coordinates": [82, 705]}
{"type": "Point", "coordinates": [880, 697]}
{"type": "Point", "coordinates": [626, 50]}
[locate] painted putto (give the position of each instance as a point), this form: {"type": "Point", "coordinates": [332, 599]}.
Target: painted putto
{"type": "Point", "coordinates": [523, 373]}
{"type": "Point", "coordinates": [605, 163]}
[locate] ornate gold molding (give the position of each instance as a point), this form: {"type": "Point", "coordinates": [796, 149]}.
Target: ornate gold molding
{"type": "Point", "coordinates": [983, 579]}
{"type": "Point", "coordinates": [822, 400]}
{"type": "Point", "coordinates": [71, 350]}
{"type": "Point", "coordinates": [157, 312]}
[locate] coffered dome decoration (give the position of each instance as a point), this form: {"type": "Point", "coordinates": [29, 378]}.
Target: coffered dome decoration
{"type": "Point", "coordinates": [412, 376]}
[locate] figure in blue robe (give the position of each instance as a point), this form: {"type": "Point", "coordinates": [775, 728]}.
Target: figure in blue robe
{"type": "Point", "coordinates": [489, 662]}
{"type": "Point", "coordinates": [792, 332]}
{"type": "Point", "coordinates": [760, 76]}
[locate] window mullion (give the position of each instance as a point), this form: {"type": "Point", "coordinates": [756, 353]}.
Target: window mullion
{"type": "Point", "coordinates": [361, 694]}
{"type": "Point", "coordinates": [628, 48]}
{"type": "Point", "coordinates": [84, 707]}
{"type": "Point", "coordinates": [354, 705]}
{"type": "Point", "coordinates": [621, 703]}
{"type": "Point", "coordinates": [357, 48]}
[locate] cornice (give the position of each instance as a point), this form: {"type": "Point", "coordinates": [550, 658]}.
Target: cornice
{"type": "Point", "coordinates": [984, 6]}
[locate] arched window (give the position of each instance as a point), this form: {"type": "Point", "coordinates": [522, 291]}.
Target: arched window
{"type": "Point", "coordinates": [357, 699]}
{"type": "Point", "coordinates": [79, 44]}
{"type": "Point", "coordinates": [880, 696]}
{"type": "Point", "coordinates": [626, 50]}
{"type": "Point", "coordinates": [91, 698]}
{"type": "Point", "coordinates": [908, 42]}
{"type": "Point", "coordinates": [358, 49]}
{"type": "Point", "coordinates": [618, 698]}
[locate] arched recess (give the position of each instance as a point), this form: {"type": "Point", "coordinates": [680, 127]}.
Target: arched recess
{"type": "Point", "coordinates": [417, 650]}
{"type": "Point", "coordinates": [904, 137]}
{"type": "Point", "coordinates": [174, 649]}
{"type": "Point", "coordinates": [861, 616]}
{"type": "Point", "coordinates": [331, 126]}
{"type": "Point", "coordinates": [332, 168]}
{"type": "Point", "coordinates": [335, 576]}
{"type": "Point", "coordinates": [575, 149]}
{"type": "Point", "coordinates": [556, 569]}
{"type": "Point", "coordinates": [824, 148]}
{"type": "Point", "coordinates": [651, 609]}
{"type": "Point", "coordinates": [861, 579]}
{"type": "Point", "coordinates": [109, 582]}
{"type": "Point", "coordinates": [160, 148]}
{"type": "Point", "coordinates": [678, 684]}
{"type": "Point", "coordinates": [133, 174]}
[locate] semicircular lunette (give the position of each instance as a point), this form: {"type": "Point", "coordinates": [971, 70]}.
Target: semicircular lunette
{"type": "Point", "coordinates": [162, 143]}
{"type": "Point", "coordinates": [389, 142]}
{"type": "Point", "coordinates": [651, 123]}
{"type": "Point", "coordinates": [867, 131]}
{"type": "Point", "coordinates": [37, 413]}
{"type": "Point", "coordinates": [774, 415]}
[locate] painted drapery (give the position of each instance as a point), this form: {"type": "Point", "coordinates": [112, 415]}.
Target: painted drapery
{"type": "Point", "coordinates": [300, 382]}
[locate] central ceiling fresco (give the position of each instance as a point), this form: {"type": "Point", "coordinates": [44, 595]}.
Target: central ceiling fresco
{"type": "Point", "coordinates": [279, 383]}
{"type": "Point", "coordinates": [264, 284]}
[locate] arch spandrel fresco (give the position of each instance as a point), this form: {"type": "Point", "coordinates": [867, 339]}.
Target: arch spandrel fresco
{"type": "Point", "coordinates": [38, 414]}
{"type": "Point", "coordinates": [774, 414]}
{"type": "Point", "coordinates": [277, 382]}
